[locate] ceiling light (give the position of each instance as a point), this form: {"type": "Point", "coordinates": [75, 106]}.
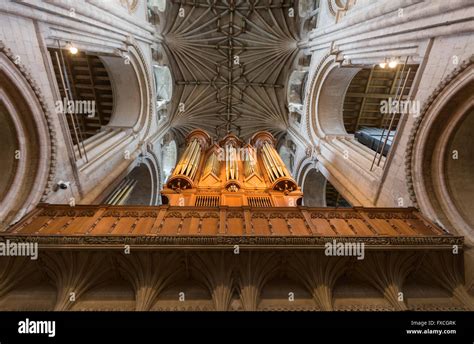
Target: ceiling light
{"type": "Point", "coordinates": [72, 49]}
{"type": "Point", "coordinates": [383, 64]}
{"type": "Point", "coordinates": [393, 63]}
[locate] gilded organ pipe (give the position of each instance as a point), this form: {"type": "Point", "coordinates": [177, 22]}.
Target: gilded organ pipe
{"type": "Point", "coordinates": [275, 166]}
{"type": "Point", "coordinates": [187, 170]}
{"type": "Point", "coordinates": [183, 161]}
{"type": "Point", "coordinates": [212, 165]}
{"type": "Point", "coordinates": [268, 167]}
{"type": "Point", "coordinates": [250, 163]}
{"type": "Point", "coordinates": [232, 167]}
{"type": "Point", "coordinates": [189, 163]}
{"type": "Point", "coordinates": [194, 163]}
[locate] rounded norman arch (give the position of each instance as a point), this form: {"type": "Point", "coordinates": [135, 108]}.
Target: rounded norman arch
{"type": "Point", "coordinates": [131, 88]}
{"type": "Point", "coordinates": [140, 185]}
{"type": "Point", "coordinates": [25, 142]}
{"type": "Point", "coordinates": [441, 158]}
{"type": "Point", "coordinates": [313, 184]}
{"type": "Point", "coordinates": [326, 98]}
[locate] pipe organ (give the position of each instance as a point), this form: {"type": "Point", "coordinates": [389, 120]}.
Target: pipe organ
{"type": "Point", "coordinates": [232, 173]}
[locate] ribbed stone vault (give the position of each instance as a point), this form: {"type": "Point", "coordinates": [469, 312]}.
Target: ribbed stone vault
{"type": "Point", "coordinates": [230, 60]}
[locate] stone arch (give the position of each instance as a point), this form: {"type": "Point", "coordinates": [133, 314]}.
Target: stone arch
{"type": "Point", "coordinates": [439, 181]}
{"type": "Point", "coordinates": [119, 85]}
{"type": "Point", "coordinates": [326, 98]}
{"type": "Point", "coordinates": [140, 184]}
{"type": "Point", "coordinates": [314, 188]}
{"type": "Point", "coordinates": [335, 6]}
{"type": "Point", "coordinates": [26, 143]}
{"type": "Point", "coordinates": [131, 89]}
{"type": "Point", "coordinates": [142, 193]}
{"type": "Point", "coordinates": [318, 191]}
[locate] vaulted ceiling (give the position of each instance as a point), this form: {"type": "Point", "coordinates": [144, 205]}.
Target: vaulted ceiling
{"type": "Point", "coordinates": [230, 61]}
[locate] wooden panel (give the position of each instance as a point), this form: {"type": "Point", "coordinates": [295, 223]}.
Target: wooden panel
{"type": "Point", "coordinates": [210, 224]}
{"type": "Point", "coordinates": [383, 227]}
{"type": "Point", "coordinates": [124, 226]}
{"type": "Point", "coordinates": [104, 226]}
{"type": "Point", "coordinates": [342, 227]}
{"type": "Point", "coordinates": [144, 225]}
{"type": "Point", "coordinates": [235, 226]}
{"type": "Point", "coordinates": [298, 226]}
{"type": "Point", "coordinates": [35, 224]}
{"type": "Point", "coordinates": [55, 225]}
{"type": "Point", "coordinates": [323, 226]}
{"type": "Point", "coordinates": [260, 226]}
{"type": "Point", "coordinates": [79, 225]}
{"type": "Point", "coordinates": [170, 226]}
{"type": "Point", "coordinates": [279, 226]}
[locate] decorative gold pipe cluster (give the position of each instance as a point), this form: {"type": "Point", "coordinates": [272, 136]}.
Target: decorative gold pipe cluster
{"type": "Point", "coordinates": [250, 162]}
{"type": "Point", "coordinates": [231, 163]}
{"type": "Point", "coordinates": [238, 174]}
{"type": "Point", "coordinates": [189, 163]}
{"type": "Point", "coordinates": [212, 164]}
{"type": "Point", "coordinates": [274, 165]}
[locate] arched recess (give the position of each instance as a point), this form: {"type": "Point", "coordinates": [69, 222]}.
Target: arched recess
{"type": "Point", "coordinates": [441, 156]}
{"type": "Point", "coordinates": [317, 190]}
{"type": "Point", "coordinates": [131, 84]}
{"type": "Point", "coordinates": [163, 84]}
{"type": "Point", "coordinates": [341, 98]}
{"type": "Point", "coordinates": [88, 80]}
{"type": "Point", "coordinates": [287, 151]}
{"type": "Point", "coordinates": [141, 184]}
{"type": "Point", "coordinates": [367, 110]}
{"type": "Point", "coordinates": [314, 188]}
{"type": "Point", "coordinates": [341, 158]}
{"type": "Point", "coordinates": [327, 98]}
{"type": "Point", "coordinates": [25, 141]}
{"type": "Point", "coordinates": [118, 87]}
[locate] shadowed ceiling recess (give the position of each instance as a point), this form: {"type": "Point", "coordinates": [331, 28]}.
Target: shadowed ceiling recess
{"type": "Point", "coordinates": [231, 61]}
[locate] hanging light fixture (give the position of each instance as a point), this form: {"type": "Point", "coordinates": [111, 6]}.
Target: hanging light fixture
{"type": "Point", "coordinates": [72, 49]}
{"type": "Point", "coordinates": [383, 64]}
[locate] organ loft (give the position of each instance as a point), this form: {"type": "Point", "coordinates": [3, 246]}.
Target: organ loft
{"type": "Point", "coordinates": [234, 152]}
{"type": "Point", "coordinates": [231, 173]}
